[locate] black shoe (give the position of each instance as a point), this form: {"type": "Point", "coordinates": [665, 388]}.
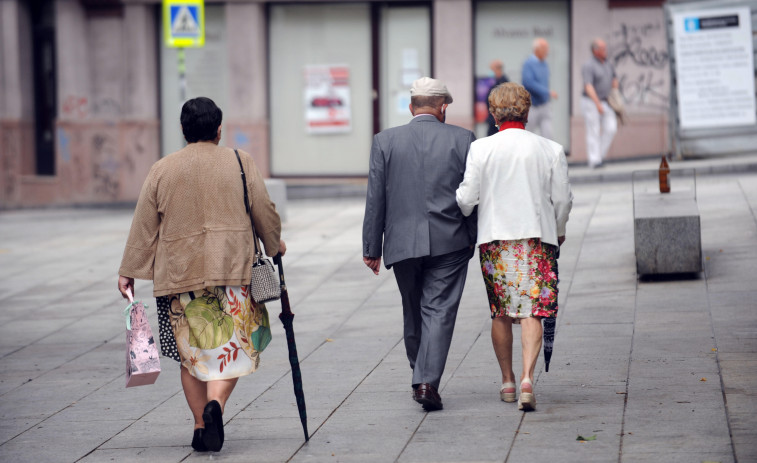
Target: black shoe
{"type": "Point", "coordinates": [212, 437]}
{"type": "Point", "coordinates": [428, 396]}
{"type": "Point", "coordinates": [197, 442]}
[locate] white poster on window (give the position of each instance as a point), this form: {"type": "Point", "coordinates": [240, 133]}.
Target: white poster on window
{"type": "Point", "coordinates": [327, 99]}
{"type": "Point", "coordinates": [715, 68]}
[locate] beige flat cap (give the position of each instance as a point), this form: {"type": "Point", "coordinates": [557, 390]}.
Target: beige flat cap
{"type": "Point", "coordinates": [426, 86]}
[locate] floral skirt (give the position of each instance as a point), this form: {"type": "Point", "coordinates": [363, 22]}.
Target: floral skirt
{"type": "Point", "coordinates": [216, 333]}
{"type": "Point", "coordinates": [520, 278]}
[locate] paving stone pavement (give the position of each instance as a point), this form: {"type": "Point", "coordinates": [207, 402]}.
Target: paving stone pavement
{"type": "Point", "coordinates": [656, 370]}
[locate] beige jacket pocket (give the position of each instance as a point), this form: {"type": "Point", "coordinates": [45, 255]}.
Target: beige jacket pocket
{"type": "Point", "coordinates": [185, 255]}
{"type": "Point", "coordinates": [227, 253]}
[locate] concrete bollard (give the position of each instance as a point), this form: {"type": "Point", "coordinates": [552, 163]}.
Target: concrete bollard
{"type": "Point", "coordinates": [277, 190]}
{"type": "Point", "coordinates": [667, 234]}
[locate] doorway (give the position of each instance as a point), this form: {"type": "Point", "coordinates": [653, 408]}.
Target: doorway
{"type": "Point", "coordinates": [506, 30]}
{"type": "Point", "coordinates": [405, 55]}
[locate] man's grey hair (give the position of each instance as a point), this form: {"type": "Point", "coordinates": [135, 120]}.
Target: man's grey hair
{"type": "Point", "coordinates": [427, 101]}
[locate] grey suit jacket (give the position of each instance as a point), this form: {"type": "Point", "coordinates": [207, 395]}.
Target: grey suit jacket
{"type": "Point", "coordinates": [415, 170]}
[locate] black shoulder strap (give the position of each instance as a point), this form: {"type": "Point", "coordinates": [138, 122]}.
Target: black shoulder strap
{"type": "Point", "coordinates": [247, 204]}
{"type": "Point", "coordinates": [244, 183]}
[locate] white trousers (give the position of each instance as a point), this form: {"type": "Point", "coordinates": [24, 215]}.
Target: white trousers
{"type": "Point", "coordinates": [540, 120]}
{"type": "Point", "coordinates": [600, 130]}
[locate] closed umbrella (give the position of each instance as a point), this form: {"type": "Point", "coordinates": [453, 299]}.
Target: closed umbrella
{"type": "Point", "coordinates": [549, 340]}
{"type": "Point", "coordinates": [549, 328]}
{"type": "Point", "coordinates": [286, 316]}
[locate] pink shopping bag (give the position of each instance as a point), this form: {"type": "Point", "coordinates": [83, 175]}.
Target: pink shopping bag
{"type": "Point", "coordinates": [142, 362]}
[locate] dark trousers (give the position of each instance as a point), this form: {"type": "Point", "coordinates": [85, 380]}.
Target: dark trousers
{"type": "Point", "coordinates": [431, 288]}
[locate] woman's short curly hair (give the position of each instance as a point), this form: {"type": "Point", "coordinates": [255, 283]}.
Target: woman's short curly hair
{"type": "Point", "coordinates": [509, 102]}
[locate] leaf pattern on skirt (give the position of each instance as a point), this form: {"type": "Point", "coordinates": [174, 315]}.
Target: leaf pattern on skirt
{"type": "Point", "coordinates": [217, 341]}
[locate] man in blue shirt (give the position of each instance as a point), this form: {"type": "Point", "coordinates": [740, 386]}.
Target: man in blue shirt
{"type": "Point", "coordinates": [535, 78]}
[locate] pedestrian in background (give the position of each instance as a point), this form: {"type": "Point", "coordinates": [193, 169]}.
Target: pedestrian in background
{"type": "Point", "coordinates": [498, 68]}
{"type": "Point", "coordinates": [535, 78]}
{"type": "Point", "coordinates": [519, 181]}
{"type": "Point", "coordinates": [599, 79]}
{"type": "Point", "coordinates": [191, 235]}
{"type": "Point", "coordinates": [410, 209]}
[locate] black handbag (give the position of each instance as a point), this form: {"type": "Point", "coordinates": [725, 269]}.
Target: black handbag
{"type": "Point", "coordinates": [264, 282]}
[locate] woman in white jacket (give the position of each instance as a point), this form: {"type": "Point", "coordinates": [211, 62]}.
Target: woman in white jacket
{"type": "Point", "coordinates": [519, 181]}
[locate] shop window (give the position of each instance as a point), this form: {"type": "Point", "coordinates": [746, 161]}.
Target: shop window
{"type": "Point", "coordinates": [45, 111]}
{"type": "Point", "coordinates": [635, 3]}
{"type": "Point", "coordinates": [321, 89]}
{"type": "Point", "coordinates": [103, 8]}
{"type": "Point", "coordinates": [505, 31]}
{"type": "Point", "coordinates": [404, 44]}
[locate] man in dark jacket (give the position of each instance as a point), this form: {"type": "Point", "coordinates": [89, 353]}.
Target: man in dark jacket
{"type": "Point", "coordinates": [415, 170]}
{"type": "Point", "coordinates": [498, 68]}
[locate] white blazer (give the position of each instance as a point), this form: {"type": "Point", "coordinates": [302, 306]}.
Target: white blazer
{"type": "Point", "coordinates": [519, 181]}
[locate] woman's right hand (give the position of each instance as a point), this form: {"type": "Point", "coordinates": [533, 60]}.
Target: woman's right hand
{"type": "Point", "coordinates": [124, 284]}
{"type": "Point", "coordinates": [282, 247]}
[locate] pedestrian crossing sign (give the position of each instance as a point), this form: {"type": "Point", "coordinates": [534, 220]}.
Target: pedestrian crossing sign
{"type": "Point", "coordinates": [184, 23]}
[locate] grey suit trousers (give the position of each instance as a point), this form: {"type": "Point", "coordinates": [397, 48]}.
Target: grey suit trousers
{"type": "Point", "coordinates": [431, 288]}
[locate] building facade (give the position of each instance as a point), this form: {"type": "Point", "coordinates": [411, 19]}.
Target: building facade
{"type": "Point", "coordinates": [90, 94]}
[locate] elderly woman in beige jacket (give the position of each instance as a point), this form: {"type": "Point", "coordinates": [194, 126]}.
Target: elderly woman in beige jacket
{"type": "Point", "coordinates": [191, 235]}
{"type": "Point", "coordinates": [519, 181]}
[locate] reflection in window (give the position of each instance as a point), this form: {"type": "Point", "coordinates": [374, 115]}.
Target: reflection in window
{"type": "Point", "coordinates": [43, 46]}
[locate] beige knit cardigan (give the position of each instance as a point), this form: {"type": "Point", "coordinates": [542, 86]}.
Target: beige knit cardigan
{"type": "Point", "coordinates": [190, 229]}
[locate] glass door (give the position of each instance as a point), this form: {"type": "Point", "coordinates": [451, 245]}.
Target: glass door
{"type": "Point", "coordinates": [321, 96]}
{"type": "Point", "coordinates": [506, 30]}
{"type": "Point", "coordinates": [405, 55]}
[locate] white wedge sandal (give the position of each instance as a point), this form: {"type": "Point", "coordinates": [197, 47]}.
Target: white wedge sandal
{"type": "Point", "coordinates": [527, 400]}
{"type": "Point", "coordinates": [507, 396]}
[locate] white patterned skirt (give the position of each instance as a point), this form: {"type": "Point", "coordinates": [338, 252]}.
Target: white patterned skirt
{"type": "Point", "coordinates": [520, 278]}
{"type": "Point", "coordinates": [216, 333]}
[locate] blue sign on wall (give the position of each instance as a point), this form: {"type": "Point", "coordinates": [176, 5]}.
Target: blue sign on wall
{"type": "Point", "coordinates": [691, 24]}
{"type": "Point", "coordinates": [185, 20]}
{"type": "Point", "coordinates": [184, 23]}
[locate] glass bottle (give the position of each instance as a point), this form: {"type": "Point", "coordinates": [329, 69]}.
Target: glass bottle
{"type": "Point", "coordinates": [664, 176]}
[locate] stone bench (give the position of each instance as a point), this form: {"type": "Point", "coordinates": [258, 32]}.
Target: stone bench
{"type": "Point", "coordinates": [277, 190]}
{"type": "Point", "coordinates": [667, 233]}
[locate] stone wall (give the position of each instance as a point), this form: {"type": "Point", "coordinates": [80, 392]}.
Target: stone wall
{"type": "Point", "coordinates": [107, 128]}
{"type": "Point", "coordinates": [16, 158]}
{"type": "Point", "coordinates": [104, 162]}
{"type": "Point", "coordinates": [246, 115]}
{"type": "Point", "coordinates": [452, 58]}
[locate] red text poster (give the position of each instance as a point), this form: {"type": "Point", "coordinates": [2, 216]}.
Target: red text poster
{"type": "Point", "coordinates": [327, 99]}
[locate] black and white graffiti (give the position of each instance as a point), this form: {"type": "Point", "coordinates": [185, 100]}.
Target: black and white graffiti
{"type": "Point", "coordinates": [639, 53]}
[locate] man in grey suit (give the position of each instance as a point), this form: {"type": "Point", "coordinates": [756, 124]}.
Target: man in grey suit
{"type": "Point", "coordinates": [415, 170]}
